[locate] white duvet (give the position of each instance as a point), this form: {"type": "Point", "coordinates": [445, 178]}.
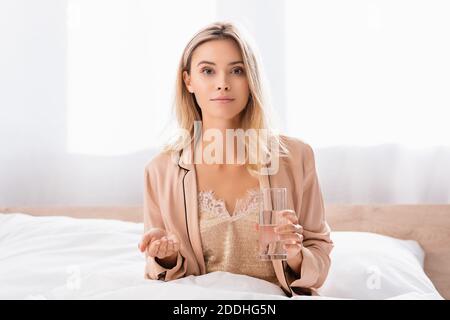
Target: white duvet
{"type": "Point", "coordinates": [67, 258]}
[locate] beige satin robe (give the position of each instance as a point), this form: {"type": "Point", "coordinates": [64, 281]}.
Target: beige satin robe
{"type": "Point", "coordinates": [170, 203]}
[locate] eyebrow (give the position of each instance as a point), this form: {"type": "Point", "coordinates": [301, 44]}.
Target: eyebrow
{"type": "Point", "coordinates": [209, 62]}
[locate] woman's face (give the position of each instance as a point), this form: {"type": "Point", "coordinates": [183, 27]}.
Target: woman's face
{"type": "Point", "coordinates": [217, 71]}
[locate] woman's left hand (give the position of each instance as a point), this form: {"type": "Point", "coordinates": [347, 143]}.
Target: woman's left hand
{"type": "Point", "coordinates": [291, 233]}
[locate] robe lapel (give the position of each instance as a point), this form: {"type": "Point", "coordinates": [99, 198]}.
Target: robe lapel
{"type": "Point", "coordinates": [186, 162]}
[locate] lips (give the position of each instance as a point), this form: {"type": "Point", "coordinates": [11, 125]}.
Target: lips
{"type": "Point", "coordinates": [222, 98]}
{"type": "Point", "coordinates": [222, 101]}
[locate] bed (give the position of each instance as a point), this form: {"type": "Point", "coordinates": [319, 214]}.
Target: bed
{"type": "Point", "coordinates": [91, 253]}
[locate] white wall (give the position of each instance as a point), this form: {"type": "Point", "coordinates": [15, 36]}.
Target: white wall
{"type": "Point", "coordinates": [37, 166]}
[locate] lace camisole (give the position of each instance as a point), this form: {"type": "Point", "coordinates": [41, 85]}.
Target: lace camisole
{"type": "Point", "coordinates": [230, 242]}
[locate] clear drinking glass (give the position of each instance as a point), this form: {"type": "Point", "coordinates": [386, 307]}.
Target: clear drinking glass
{"type": "Point", "coordinates": [273, 201]}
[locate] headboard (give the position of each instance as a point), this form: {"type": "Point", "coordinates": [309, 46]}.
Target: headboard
{"type": "Point", "coordinates": [427, 224]}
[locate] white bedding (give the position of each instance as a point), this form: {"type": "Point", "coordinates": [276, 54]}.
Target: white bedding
{"type": "Point", "coordinates": [67, 258]}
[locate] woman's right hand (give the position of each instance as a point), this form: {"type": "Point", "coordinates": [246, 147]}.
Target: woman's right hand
{"type": "Point", "coordinates": [159, 244]}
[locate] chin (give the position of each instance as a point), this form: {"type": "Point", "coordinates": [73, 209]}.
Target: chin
{"type": "Point", "coordinates": [225, 113]}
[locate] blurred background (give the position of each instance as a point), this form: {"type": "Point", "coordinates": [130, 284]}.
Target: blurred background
{"type": "Point", "coordinates": [86, 91]}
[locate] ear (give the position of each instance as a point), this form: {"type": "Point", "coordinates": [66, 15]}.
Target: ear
{"type": "Point", "coordinates": [187, 81]}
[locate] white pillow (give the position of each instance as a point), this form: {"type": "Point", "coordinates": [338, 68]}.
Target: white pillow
{"type": "Point", "coordinates": [373, 266]}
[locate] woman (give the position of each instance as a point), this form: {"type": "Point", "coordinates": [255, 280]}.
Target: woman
{"type": "Point", "coordinates": [200, 212]}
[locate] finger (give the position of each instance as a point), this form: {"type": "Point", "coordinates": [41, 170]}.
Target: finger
{"type": "Point", "coordinates": [292, 228]}
{"type": "Point", "coordinates": [176, 246]}
{"type": "Point", "coordinates": [148, 237]}
{"type": "Point", "coordinates": [169, 247]}
{"type": "Point", "coordinates": [289, 228]}
{"type": "Point", "coordinates": [284, 228]}
{"type": "Point", "coordinates": [162, 252]}
{"type": "Point", "coordinates": [291, 238]}
{"type": "Point", "coordinates": [143, 247]}
{"type": "Point", "coordinates": [175, 241]}
{"type": "Point", "coordinates": [287, 212]}
{"type": "Point", "coordinates": [153, 248]}
{"type": "Point", "coordinates": [162, 248]}
{"type": "Point", "coordinates": [293, 247]}
{"type": "Point", "coordinates": [288, 237]}
{"type": "Point", "coordinates": [290, 215]}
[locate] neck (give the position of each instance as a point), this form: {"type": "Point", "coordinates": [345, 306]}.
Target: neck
{"type": "Point", "coordinates": [221, 124]}
{"type": "Point", "coordinates": [214, 137]}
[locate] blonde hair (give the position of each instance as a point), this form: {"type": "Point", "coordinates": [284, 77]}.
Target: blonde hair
{"type": "Point", "coordinates": [255, 114]}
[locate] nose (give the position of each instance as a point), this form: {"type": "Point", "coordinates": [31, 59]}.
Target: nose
{"type": "Point", "coordinates": [223, 84]}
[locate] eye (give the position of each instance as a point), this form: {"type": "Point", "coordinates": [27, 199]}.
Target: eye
{"type": "Point", "coordinates": [239, 71]}
{"type": "Point", "coordinates": [206, 69]}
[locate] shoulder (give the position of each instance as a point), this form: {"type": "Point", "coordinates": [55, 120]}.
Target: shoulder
{"type": "Point", "coordinates": [300, 152]}
{"type": "Point", "coordinates": [161, 163]}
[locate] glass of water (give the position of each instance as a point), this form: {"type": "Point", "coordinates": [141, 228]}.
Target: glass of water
{"type": "Point", "coordinates": [273, 201]}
